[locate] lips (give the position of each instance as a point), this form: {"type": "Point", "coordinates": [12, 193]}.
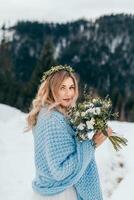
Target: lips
{"type": "Point", "coordinates": [66, 99]}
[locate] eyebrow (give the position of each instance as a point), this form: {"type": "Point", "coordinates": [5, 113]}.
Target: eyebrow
{"type": "Point", "coordinates": [70, 85]}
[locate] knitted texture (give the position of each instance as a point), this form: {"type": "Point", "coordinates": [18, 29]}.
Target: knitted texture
{"type": "Point", "coordinates": [61, 161]}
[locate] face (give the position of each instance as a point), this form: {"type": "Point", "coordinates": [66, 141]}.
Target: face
{"type": "Point", "coordinates": [66, 92]}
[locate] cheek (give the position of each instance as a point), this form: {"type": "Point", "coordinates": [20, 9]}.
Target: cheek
{"type": "Point", "coordinates": [60, 94]}
{"type": "Point", "coordinates": [73, 92]}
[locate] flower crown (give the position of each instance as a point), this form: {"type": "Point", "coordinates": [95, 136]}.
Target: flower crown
{"type": "Point", "coordinates": [54, 69]}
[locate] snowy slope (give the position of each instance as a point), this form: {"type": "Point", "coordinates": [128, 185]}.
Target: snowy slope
{"type": "Point", "coordinates": [17, 162]}
{"type": "Point", "coordinates": [16, 156]}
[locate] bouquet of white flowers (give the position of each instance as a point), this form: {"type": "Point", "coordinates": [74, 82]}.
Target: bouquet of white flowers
{"type": "Point", "coordinates": [92, 116]}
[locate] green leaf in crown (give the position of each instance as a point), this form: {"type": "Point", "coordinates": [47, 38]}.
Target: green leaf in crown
{"type": "Point", "coordinates": [55, 69]}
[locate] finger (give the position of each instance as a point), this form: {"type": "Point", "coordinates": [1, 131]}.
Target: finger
{"type": "Point", "coordinates": [103, 137]}
{"type": "Point", "coordinates": [109, 131]}
{"type": "Point", "coordinates": [98, 132]}
{"type": "Point", "coordinates": [99, 135]}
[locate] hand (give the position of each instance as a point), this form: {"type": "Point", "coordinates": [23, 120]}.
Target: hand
{"type": "Point", "coordinates": [109, 131]}
{"type": "Point", "coordinates": [99, 138]}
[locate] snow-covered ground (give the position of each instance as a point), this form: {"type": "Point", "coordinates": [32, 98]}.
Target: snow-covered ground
{"type": "Point", "coordinates": [17, 161]}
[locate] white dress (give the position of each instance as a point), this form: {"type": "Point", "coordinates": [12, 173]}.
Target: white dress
{"type": "Point", "coordinates": [67, 194]}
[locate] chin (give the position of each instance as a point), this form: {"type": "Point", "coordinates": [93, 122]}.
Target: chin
{"type": "Point", "coordinates": [66, 105]}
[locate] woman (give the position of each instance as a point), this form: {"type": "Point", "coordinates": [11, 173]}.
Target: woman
{"type": "Point", "coordinates": [65, 168]}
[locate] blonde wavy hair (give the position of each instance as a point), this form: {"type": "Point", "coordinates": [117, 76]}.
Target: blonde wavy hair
{"type": "Point", "coordinates": [47, 94]}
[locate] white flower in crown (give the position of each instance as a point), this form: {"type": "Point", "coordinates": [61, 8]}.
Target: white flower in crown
{"type": "Point", "coordinates": [89, 125]}
{"type": "Point", "coordinates": [81, 126]}
{"type": "Point", "coordinates": [55, 69]}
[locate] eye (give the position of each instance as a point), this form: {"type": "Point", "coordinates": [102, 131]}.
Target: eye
{"type": "Point", "coordinates": [62, 88]}
{"type": "Point", "coordinates": [72, 87]}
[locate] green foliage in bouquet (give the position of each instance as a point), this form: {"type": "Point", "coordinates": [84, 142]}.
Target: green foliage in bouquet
{"type": "Point", "coordinates": [92, 115]}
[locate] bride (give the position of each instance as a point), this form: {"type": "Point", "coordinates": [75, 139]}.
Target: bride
{"type": "Point", "coordinates": [64, 167]}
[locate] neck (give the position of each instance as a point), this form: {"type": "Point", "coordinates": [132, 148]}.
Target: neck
{"type": "Point", "coordinates": [63, 109]}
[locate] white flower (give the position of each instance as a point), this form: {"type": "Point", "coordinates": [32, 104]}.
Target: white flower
{"type": "Point", "coordinates": [89, 125]}
{"type": "Point", "coordinates": [83, 114]}
{"type": "Point", "coordinates": [90, 110]}
{"type": "Point", "coordinates": [92, 121]}
{"type": "Point", "coordinates": [72, 121]}
{"type": "Point", "coordinates": [81, 126]}
{"type": "Point", "coordinates": [91, 105]}
{"type": "Point", "coordinates": [97, 110]}
{"type": "Point", "coordinates": [94, 111]}
{"type": "Point", "coordinates": [94, 100]}
{"type": "Point", "coordinates": [107, 105]}
{"type": "Point", "coordinates": [86, 105]}
{"type": "Point", "coordinates": [77, 113]}
{"type": "Point", "coordinates": [90, 134]}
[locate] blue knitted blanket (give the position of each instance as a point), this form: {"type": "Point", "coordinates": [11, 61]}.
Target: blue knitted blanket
{"type": "Point", "coordinates": [61, 161]}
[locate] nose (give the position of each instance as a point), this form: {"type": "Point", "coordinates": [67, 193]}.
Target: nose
{"type": "Point", "coordinates": [68, 92]}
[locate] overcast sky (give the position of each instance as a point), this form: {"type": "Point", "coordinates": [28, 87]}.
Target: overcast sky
{"type": "Point", "coordinates": [60, 10]}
